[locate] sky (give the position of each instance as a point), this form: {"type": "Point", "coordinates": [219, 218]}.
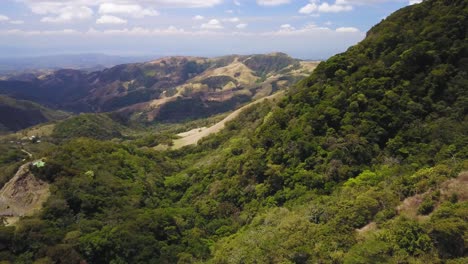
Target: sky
{"type": "Point", "coordinates": [306, 29]}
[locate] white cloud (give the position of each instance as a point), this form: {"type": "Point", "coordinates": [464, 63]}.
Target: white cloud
{"type": "Point", "coordinates": [39, 32]}
{"type": "Point", "coordinates": [286, 27]}
{"type": "Point", "coordinates": [288, 30]}
{"type": "Point", "coordinates": [198, 17]}
{"type": "Point", "coordinates": [4, 18]}
{"type": "Point", "coordinates": [38, 5]}
{"type": "Point", "coordinates": [133, 10]}
{"type": "Point", "coordinates": [347, 29]}
{"type": "Point", "coordinates": [412, 2]}
{"type": "Point", "coordinates": [237, 3]}
{"type": "Point", "coordinates": [241, 26]}
{"type": "Point", "coordinates": [309, 8]}
{"type": "Point", "coordinates": [106, 19]}
{"type": "Point", "coordinates": [338, 6]}
{"type": "Point", "coordinates": [232, 20]}
{"type": "Point", "coordinates": [212, 24]}
{"type": "Point", "coordinates": [272, 2]}
{"type": "Point", "coordinates": [16, 22]}
{"type": "Point", "coordinates": [69, 13]}
{"type": "Point", "coordinates": [173, 29]}
{"type": "Point", "coordinates": [186, 3]}
{"type": "Point", "coordinates": [310, 30]}
{"type": "Point", "coordinates": [44, 8]}
{"type": "Point", "coordinates": [335, 8]}
{"type": "Point", "coordinates": [364, 2]}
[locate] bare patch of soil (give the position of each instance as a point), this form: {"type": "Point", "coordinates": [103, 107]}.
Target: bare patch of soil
{"type": "Point", "coordinates": [23, 195]}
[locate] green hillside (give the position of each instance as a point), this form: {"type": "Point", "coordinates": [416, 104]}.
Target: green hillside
{"type": "Point", "coordinates": [19, 114]}
{"type": "Point", "coordinates": [365, 161]}
{"type": "Point", "coordinates": [97, 126]}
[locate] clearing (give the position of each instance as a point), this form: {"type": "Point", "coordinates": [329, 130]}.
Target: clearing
{"type": "Point", "coordinates": [23, 195]}
{"type": "Point", "coordinates": [193, 136]}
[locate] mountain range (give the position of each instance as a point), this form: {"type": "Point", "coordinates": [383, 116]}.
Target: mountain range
{"type": "Point", "coordinates": [365, 160]}
{"type": "Point", "coordinates": [17, 65]}
{"type": "Point", "coordinates": [167, 89]}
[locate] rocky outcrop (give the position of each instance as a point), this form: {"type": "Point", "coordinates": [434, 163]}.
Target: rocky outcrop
{"type": "Point", "coordinates": [23, 195]}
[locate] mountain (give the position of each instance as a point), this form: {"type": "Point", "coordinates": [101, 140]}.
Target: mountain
{"type": "Point", "coordinates": [363, 161]}
{"type": "Point", "coordinates": [19, 114]}
{"type": "Point", "coordinates": [15, 66]}
{"type": "Point", "coordinates": [171, 88]}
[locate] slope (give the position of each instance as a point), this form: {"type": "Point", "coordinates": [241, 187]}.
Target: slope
{"type": "Point", "coordinates": [291, 182]}
{"type": "Point", "coordinates": [23, 195]}
{"type": "Point", "coordinates": [167, 89]}
{"type": "Point", "coordinates": [193, 136]}
{"type": "Point", "coordinates": [20, 114]}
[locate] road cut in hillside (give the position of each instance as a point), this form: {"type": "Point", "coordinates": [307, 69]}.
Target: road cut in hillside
{"type": "Point", "coordinates": [193, 136]}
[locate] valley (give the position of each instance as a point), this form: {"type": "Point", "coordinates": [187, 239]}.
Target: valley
{"type": "Point", "coordinates": [360, 158]}
{"type": "Point", "coordinates": [170, 89]}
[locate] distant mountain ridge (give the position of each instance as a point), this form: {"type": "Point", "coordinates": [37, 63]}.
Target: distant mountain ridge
{"type": "Point", "coordinates": [88, 62]}
{"type": "Point", "coordinates": [171, 88]}
{"type": "Point", "coordinates": [19, 114]}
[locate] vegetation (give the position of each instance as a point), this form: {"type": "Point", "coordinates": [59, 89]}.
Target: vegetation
{"type": "Point", "coordinates": [97, 126]}
{"type": "Point", "coordinates": [19, 114]}
{"type": "Point", "coordinates": [318, 177]}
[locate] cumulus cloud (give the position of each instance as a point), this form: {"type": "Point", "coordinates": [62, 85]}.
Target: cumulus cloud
{"type": "Point", "coordinates": [286, 27]}
{"type": "Point", "coordinates": [67, 10]}
{"type": "Point", "coordinates": [106, 19]}
{"type": "Point", "coordinates": [338, 6]}
{"type": "Point", "coordinates": [309, 8]}
{"type": "Point", "coordinates": [198, 17]}
{"type": "Point", "coordinates": [39, 32]}
{"type": "Point", "coordinates": [67, 14]}
{"type": "Point", "coordinates": [310, 29]}
{"type": "Point", "coordinates": [364, 2]}
{"type": "Point", "coordinates": [4, 18]}
{"type": "Point", "coordinates": [335, 8]}
{"type": "Point", "coordinates": [347, 29]}
{"type": "Point", "coordinates": [212, 24]}
{"type": "Point", "coordinates": [412, 2]}
{"type": "Point", "coordinates": [133, 10]}
{"type": "Point", "coordinates": [241, 26]}
{"type": "Point", "coordinates": [39, 4]}
{"type": "Point", "coordinates": [272, 2]}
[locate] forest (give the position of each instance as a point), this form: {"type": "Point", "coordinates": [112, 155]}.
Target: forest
{"type": "Point", "coordinates": [323, 175]}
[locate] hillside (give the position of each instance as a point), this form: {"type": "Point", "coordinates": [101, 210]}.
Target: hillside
{"type": "Point", "coordinates": [19, 114]}
{"type": "Point", "coordinates": [363, 161]}
{"type": "Point", "coordinates": [167, 89]}
{"type": "Point", "coordinates": [23, 195]}
{"type": "Point", "coordinates": [194, 135]}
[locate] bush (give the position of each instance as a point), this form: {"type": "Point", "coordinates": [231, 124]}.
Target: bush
{"type": "Point", "coordinates": [426, 207]}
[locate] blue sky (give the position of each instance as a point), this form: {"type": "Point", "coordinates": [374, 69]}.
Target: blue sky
{"type": "Point", "coordinates": [308, 29]}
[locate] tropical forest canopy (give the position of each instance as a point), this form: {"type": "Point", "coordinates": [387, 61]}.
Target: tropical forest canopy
{"type": "Point", "coordinates": [324, 175]}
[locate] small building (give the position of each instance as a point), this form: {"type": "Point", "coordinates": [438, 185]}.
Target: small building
{"type": "Point", "coordinates": [39, 164]}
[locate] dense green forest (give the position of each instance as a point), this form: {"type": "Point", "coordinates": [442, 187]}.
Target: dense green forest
{"type": "Point", "coordinates": [319, 176]}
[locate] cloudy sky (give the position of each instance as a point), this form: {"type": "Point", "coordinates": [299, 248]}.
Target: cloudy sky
{"type": "Point", "coordinates": [308, 29]}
